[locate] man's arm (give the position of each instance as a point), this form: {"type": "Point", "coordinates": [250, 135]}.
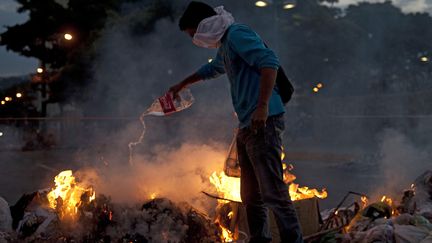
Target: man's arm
{"type": "Point", "coordinates": [183, 84]}
{"type": "Point", "coordinates": [267, 83]}
{"type": "Point", "coordinates": [208, 71]}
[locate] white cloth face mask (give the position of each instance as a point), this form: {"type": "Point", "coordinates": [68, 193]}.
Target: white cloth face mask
{"type": "Point", "coordinates": [210, 30]}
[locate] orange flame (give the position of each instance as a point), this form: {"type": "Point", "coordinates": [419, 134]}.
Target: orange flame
{"type": "Point", "coordinates": [364, 201]}
{"type": "Point", "coordinates": [387, 200]}
{"type": "Point", "coordinates": [67, 195]}
{"type": "Point", "coordinates": [228, 187]}
{"type": "Point", "coordinates": [227, 235]}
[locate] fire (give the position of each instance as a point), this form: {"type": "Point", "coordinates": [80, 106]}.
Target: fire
{"type": "Point", "coordinates": [228, 187]}
{"type": "Point", "coordinates": [68, 195]}
{"type": "Point", "coordinates": [364, 201]}
{"type": "Point", "coordinates": [227, 235]}
{"type": "Point", "coordinates": [387, 200]}
{"type": "Point", "coordinates": [299, 193]}
{"type": "Point", "coordinates": [153, 196]}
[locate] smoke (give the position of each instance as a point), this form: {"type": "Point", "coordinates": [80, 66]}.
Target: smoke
{"type": "Point", "coordinates": [400, 162]}
{"type": "Point", "coordinates": [180, 174]}
{"type": "Point", "coordinates": [133, 69]}
{"type": "Point", "coordinates": [179, 152]}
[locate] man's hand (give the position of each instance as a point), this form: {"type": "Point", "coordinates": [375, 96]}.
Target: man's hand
{"type": "Point", "coordinates": [259, 118]}
{"type": "Point", "coordinates": [176, 89]}
{"type": "Point", "coordinates": [183, 84]}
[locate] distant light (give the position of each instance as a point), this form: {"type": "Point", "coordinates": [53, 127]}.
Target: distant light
{"type": "Point", "coordinates": [39, 70]}
{"type": "Point", "coordinates": [424, 59]}
{"type": "Point", "coordinates": [3, 102]}
{"type": "Point", "coordinates": [210, 60]}
{"type": "Point", "coordinates": [8, 99]}
{"type": "Point", "coordinates": [319, 85]}
{"type": "Point", "coordinates": [68, 36]}
{"type": "Point", "coordinates": [18, 95]}
{"type": "Point", "coordinates": [1, 134]}
{"type": "Point", "coordinates": [315, 89]}
{"type": "Point", "coordinates": [261, 4]}
{"type": "Point", "coordinates": [289, 6]}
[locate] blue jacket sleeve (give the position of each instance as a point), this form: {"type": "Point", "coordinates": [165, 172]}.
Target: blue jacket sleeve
{"type": "Point", "coordinates": [247, 44]}
{"type": "Point", "coordinates": [213, 69]}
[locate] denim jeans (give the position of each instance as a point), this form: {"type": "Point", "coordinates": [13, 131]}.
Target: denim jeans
{"type": "Point", "coordinates": [262, 186]}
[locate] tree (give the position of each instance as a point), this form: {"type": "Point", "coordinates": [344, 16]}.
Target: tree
{"type": "Point", "coordinates": [68, 62]}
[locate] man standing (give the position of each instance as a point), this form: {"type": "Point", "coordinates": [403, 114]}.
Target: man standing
{"type": "Point", "coordinates": [251, 68]}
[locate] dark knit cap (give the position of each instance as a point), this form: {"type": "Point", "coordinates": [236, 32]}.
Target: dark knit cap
{"type": "Point", "coordinates": [194, 14]}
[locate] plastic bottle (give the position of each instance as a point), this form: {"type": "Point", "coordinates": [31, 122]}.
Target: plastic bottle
{"type": "Point", "coordinates": [162, 106]}
{"type": "Point", "coordinates": [166, 104]}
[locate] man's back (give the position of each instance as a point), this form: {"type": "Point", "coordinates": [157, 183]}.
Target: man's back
{"type": "Point", "coordinates": [241, 55]}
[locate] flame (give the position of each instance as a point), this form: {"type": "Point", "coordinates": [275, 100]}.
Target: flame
{"type": "Point", "coordinates": [364, 201]}
{"type": "Point", "coordinates": [227, 187]}
{"type": "Point", "coordinates": [227, 236]}
{"type": "Point", "coordinates": [153, 196]}
{"type": "Point", "coordinates": [67, 195]}
{"type": "Point", "coordinates": [387, 200]}
{"type": "Point", "coordinates": [92, 197]}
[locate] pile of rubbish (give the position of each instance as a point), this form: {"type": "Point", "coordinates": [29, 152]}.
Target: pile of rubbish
{"type": "Point", "coordinates": [408, 221]}
{"type": "Point", "coordinates": [34, 218]}
{"type": "Point", "coordinates": [157, 220]}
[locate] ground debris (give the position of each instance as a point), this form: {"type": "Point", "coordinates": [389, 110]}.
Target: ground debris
{"type": "Point", "coordinates": [157, 220]}
{"type": "Point", "coordinates": [408, 222]}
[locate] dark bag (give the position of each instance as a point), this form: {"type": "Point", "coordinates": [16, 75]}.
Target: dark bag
{"type": "Point", "coordinates": [284, 86]}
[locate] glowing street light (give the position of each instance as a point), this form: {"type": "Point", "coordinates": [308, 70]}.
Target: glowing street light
{"type": "Point", "coordinates": [315, 90]}
{"type": "Point", "coordinates": [289, 6]}
{"type": "Point", "coordinates": [210, 60]}
{"type": "Point", "coordinates": [424, 59]}
{"type": "Point", "coordinates": [39, 70]}
{"type": "Point", "coordinates": [8, 99]}
{"type": "Point", "coordinates": [319, 85]}
{"type": "Point", "coordinates": [1, 134]}
{"type": "Point", "coordinates": [3, 102]}
{"type": "Point", "coordinates": [68, 36]}
{"type": "Point", "coordinates": [18, 95]}
{"type": "Point", "coordinates": [261, 4]}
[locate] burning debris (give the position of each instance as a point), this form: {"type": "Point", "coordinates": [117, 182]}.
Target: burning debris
{"type": "Point", "coordinates": [385, 220]}
{"type": "Point", "coordinates": [71, 212]}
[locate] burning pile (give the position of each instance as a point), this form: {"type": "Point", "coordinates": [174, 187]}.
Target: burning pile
{"type": "Point", "coordinates": [71, 212]}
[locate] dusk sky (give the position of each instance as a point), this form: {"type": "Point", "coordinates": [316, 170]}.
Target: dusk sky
{"type": "Point", "coordinates": [12, 64]}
